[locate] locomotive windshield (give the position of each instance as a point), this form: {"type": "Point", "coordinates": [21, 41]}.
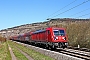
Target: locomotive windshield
{"type": "Point", "coordinates": [59, 32]}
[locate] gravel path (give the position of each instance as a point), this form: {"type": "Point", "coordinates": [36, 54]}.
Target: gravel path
{"type": "Point", "coordinates": [12, 54]}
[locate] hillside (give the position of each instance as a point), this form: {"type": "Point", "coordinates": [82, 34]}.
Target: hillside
{"type": "Point", "coordinates": [78, 30]}
{"type": "Point", "coordinates": [40, 25]}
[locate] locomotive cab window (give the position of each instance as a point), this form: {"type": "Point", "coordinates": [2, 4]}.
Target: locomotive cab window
{"type": "Point", "coordinates": [59, 32]}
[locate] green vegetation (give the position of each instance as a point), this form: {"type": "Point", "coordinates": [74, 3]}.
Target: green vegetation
{"type": "Point", "coordinates": [4, 52]}
{"type": "Point", "coordinates": [17, 53]}
{"type": "Point", "coordinates": [35, 55]}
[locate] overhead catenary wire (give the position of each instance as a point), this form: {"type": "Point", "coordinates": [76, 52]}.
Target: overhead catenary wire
{"type": "Point", "coordinates": [79, 12]}
{"type": "Point", "coordinates": [63, 8]}
{"type": "Point", "coordinates": [72, 8]}
{"type": "Point", "coordinates": [83, 15]}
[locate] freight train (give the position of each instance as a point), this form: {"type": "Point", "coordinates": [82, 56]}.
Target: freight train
{"type": "Point", "coordinates": [50, 37]}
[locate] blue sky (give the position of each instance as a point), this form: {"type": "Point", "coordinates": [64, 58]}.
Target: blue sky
{"type": "Point", "coordinates": [19, 12]}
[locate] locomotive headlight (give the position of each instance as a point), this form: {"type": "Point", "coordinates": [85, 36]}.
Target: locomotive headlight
{"type": "Point", "coordinates": [64, 38]}
{"type": "Point", "coordinates": [56, 37]}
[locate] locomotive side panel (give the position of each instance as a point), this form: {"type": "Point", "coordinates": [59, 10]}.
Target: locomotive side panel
{"type": "Point", "coordinates": [39, 36]}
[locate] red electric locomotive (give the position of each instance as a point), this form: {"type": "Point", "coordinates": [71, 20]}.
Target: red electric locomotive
{"type": "Point", "coordinates": [50, 37]}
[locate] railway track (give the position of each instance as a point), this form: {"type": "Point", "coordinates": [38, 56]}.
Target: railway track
{"type": "Point", "coordinates": [72, 52]}
{"type": "Point", "coordinates": [75, 53]}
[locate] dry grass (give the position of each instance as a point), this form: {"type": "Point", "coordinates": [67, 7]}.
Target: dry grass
{"type": "Point", "coordinates": [2, 39]}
